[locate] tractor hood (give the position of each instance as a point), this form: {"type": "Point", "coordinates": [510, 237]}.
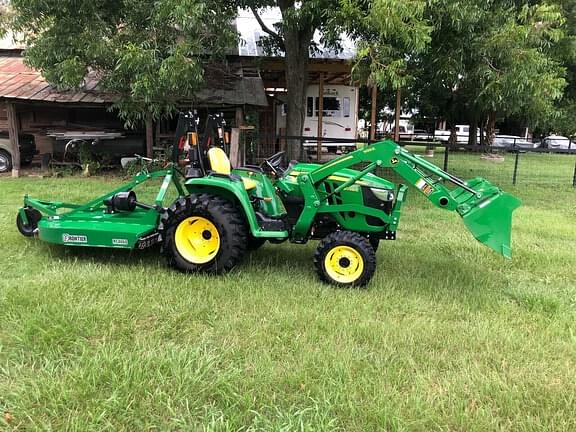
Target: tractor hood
{"type": "Point", "coordinates": [341, 176]}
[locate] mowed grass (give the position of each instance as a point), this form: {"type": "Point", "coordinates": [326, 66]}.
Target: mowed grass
{"type": "Point", "coordinates": [448, 336]}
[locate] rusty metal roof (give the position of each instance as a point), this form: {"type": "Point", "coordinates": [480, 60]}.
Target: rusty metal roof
{"type": "Point", "coordinates": [17, 81]}
{"type": "Point", "coordinates": [232, 86]}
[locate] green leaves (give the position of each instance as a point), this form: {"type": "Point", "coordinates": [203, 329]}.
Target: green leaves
{"type": "Point", "coordinates": [150, 52]}
{"type": "Point", "coordinates": [492, 57]}
{"type": "Point", "coordinates": [389, 34]}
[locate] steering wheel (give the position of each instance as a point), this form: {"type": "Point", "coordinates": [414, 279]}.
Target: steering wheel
{"type": "Point", "coordinates": [273, 163]}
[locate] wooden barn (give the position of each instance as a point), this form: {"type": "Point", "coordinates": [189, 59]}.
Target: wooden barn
{"type": "Point", "coordinates": [31, 106]}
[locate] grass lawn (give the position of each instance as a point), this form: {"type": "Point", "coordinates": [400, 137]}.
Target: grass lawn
{"type": "Point", "coordinates": [448, 336]}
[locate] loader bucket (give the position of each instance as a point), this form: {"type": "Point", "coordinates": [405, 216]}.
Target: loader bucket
{"type": "Point", "coordinates": [488, 214]}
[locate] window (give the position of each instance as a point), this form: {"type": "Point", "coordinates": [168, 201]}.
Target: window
{"type": "Point", "coordinates": [309, 106]}
{"type": "Point", "coordinates": [331, 107]}
{"type": "Point", "coordinates": [346, 106]}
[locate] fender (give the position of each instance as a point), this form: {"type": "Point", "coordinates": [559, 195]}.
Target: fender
{"type": "Point", "coordinates": [234, 191]}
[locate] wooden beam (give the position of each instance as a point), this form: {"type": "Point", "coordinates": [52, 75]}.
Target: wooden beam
{"type": "Point", "coordinates": [149, 136]}
{"type": "Point", "coordinates": [398, 109]}
{"type": "Point", "coordinates": [13, 132]}
{"type": "Point", "coordinates": [320, 117]}
{"type": "Point", "coordinates": [337, 78]}
{"type": "Point", "coordinates": [373, 111]}
{"type": "Point", "coordinates": [338, 66]}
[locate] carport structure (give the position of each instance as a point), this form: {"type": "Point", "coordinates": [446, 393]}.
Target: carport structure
{"type": "Point", "coordinates": [29, 104]}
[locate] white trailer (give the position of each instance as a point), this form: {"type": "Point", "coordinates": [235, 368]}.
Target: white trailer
{"type": "Point", "coordinates": [339, 119]}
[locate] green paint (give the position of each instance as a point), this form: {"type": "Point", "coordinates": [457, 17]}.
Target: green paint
{"type": "Point", "coordinates": [355, 200]}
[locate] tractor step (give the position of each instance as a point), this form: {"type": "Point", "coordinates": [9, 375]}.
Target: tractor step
{"type": "Point", "coordinates": [267, 223]}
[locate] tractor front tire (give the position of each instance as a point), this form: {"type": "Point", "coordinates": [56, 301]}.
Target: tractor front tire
{"type": "Point", "coordinates": [203, 233]}
{"type": "Point", "coordinates": [374, 241]}
{"type": "Point", "coordinates": [346, 259]}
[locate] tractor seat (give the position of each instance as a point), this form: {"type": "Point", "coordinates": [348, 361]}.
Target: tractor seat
{"type": "Point", "coordinates": [219, 163]}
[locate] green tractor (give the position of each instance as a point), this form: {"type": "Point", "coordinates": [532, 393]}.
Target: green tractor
{"type": "Point", "coordinates": [223, 212]}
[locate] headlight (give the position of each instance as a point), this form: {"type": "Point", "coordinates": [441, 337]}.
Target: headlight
{"type": "Point", "coordinates": [383, 194]}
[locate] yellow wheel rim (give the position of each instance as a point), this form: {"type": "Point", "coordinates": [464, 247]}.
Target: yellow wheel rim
{"type": "Point", "coordinates": [197, 240]}
{"type": "Point", "coordinates": [344, 264]}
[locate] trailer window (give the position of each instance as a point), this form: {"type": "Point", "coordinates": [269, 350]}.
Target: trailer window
{"type": "Point", "coordinates": [309, 106]}
{"type": "Point", "coordinates": [331, 107]}
{"type": "Point", "coordinates": [346, 107]}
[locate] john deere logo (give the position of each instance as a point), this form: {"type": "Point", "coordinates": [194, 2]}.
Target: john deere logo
{"type": "Point", "coordinates": [394, 161]}
{"type": "Point", "coordinates": [72, 238]}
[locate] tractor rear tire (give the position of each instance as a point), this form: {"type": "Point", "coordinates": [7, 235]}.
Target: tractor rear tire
{"type": "Point", "coordinates": [203, 233]}
{"type": "Point", "coordinates": [346, 259]}
{"type": "Point", "coordinates": [28, 229]}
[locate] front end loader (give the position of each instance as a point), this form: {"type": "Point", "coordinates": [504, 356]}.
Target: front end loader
{"type": "Point", "coordinates": [221, 212]}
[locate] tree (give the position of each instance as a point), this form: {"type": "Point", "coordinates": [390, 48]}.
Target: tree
{"type": "Point", "coordinates": [565, 52]}
{"type": "Point", "coordinates": [385, 31]}
{"type": "Point", "coordinates": [293, 37]}
{"type": "Point", "coordinates": [150, 52]}
{"type": "Point", "coordinates": [492, 59]}
{"type": "Point", "coordinates": [389, 35]}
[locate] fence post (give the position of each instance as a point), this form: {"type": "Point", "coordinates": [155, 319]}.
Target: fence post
{"type": "Point", "coordinates": [515, 175]}
{"type": "Point", "coordinates": [574, 177]}
{"type": "Point", "coordinates": [446, 151]}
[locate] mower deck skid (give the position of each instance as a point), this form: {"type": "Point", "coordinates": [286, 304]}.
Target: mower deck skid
{"type": "Point", "coordinates": [488, 214]}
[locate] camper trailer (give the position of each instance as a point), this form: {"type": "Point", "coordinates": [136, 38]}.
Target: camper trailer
{"type": "Point", "coordinates": [339, 116]}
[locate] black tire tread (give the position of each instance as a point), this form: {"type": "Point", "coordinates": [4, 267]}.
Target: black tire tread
{"type": "Point", "coordinates": [224, 215]}
{"type": "Point", "coordinates": [348, 238]}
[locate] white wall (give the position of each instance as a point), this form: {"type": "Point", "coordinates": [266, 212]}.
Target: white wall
{"type": "Point", "coordinates": [340, 112]}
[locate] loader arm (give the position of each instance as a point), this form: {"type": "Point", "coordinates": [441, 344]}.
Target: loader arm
{"type": "Point", "coordinates": [485, 209]}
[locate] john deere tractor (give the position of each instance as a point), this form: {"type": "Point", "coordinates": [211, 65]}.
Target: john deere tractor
{"type": "Point", "coordinates": [223, 212]}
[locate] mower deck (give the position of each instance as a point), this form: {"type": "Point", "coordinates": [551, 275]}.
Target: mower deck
{"type": "Point", "coordinates": [121, 230]}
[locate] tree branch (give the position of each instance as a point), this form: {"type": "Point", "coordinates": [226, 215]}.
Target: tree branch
{"type": "Point", "coordinates": [267, 30]}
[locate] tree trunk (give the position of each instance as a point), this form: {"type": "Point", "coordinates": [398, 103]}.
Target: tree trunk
{"type": "Point", "coordinates": [296, 37]}
{"type": "Point", "coordinates": [296, 60]}
{"type": "Point", "coordinates": [453, 139]}
{"type": "Point", "coordinates": [149, 136]}
{"type": "Point", "coordinates": [482, 133]}
{"type": "Point", "coordinates": [490, 129]}
{"type": "Point", "coordinates": [472, 137]}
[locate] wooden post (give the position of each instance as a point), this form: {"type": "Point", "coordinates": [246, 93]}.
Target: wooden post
{"type": "Point", "coordinates": [320, 117]}
{"type": "Point", "coordinates": [239, 117]}
{"type": "Point", "coordinates": [398, 109]}
{"type": "Point", "coordinates": [374, 109]}
{"type": "Point", "coordinates": [149, 137]}
{"type": "Point", "coordinates": [13, 132]}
